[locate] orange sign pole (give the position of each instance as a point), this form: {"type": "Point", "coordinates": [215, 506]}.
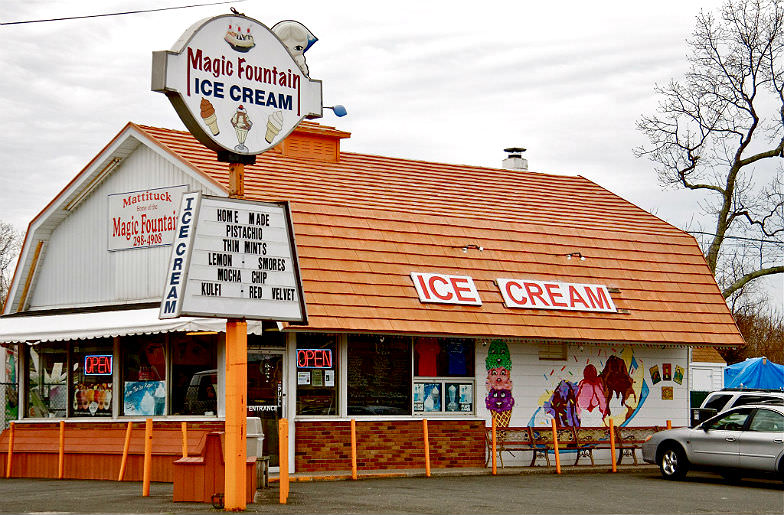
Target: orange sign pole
{"type": "Point", "coordinates": [236, 387]}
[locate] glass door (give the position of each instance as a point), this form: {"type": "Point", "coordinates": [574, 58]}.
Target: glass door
{"type": "Point", "coordinates": [265, 396]}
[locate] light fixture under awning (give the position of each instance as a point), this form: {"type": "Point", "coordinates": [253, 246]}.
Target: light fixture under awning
{"type": "Point", "coordinates": [80, 326]}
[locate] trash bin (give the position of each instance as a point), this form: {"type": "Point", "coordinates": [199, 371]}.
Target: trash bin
{"type": "Point", "coordinates": [255, 447]}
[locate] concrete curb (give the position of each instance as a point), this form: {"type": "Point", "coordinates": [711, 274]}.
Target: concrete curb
{"type": "Point", "coordinates": [457, 472]}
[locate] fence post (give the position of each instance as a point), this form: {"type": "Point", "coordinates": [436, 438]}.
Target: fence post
{"type": "Point", "coordinates": [61, 456]}
{"type": "Point", "coordinates": [147, 457]}
{"type": "Point", "coordinates": [126, 446]}
{"type": "Point", "coordinates": [9, 459]}
{"type": "Point", "coordinates": [612, 446]}
{"type": "Point", "coordinates": [427, 448]}
{"type": "Point", "coordinates": [353, 449]}
{"type": "Point", "coordinates": [493, 449]}
{"type": "Point", "coordinates": [283, 453]}
{"type": "Point", "coordinates": [184, 429]}
{"type": "Point", "coordinates": [555, 446]}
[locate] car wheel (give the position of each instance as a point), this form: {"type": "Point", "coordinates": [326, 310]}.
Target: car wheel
{"type": "Point", "coordinates": [672, 462]}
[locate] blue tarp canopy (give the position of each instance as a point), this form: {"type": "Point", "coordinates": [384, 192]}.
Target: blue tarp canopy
{"type": "Point", "coordinates": [755, 373]}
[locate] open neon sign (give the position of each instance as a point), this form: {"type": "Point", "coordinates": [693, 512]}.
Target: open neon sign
{"type": "Point", "coordinates": [98, 365]}
{"type": "Point", "coordinates": [314, 358]}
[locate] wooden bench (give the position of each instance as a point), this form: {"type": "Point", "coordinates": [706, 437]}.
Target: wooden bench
{"type": "Point", "coordinates": [544, 444]}
{"type": "Point", "coordinates": [508, 439]}
{"type": "Point", "coordinates": [590, 439]}
{"type": "Point", "coordinates": [201, 478]}
{"type": "Point", "coordinates": [630, 439]}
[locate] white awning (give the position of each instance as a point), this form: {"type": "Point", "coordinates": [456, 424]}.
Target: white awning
{"type": "Point", "coordinates": [80, 326]}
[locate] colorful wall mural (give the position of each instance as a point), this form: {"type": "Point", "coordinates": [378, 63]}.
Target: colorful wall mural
{"type": "Point", "coordinates": [499, 398]}
{"type": "Point", "coordinates": [617, 392]}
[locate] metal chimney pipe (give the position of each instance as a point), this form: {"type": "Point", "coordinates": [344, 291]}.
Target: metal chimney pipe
{"type": "Point", "coordinates": [514, 160]}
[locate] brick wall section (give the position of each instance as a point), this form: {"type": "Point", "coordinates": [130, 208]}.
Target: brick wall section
{"type": "Point", "coordinates": [326, 446]}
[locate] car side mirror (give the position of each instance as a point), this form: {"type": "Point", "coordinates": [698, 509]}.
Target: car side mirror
{"type": "Point", "coordinates": [705, 427]}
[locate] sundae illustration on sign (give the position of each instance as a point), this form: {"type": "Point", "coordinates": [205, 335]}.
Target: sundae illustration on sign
{"type": "Point", "coordinates": [228, 73]}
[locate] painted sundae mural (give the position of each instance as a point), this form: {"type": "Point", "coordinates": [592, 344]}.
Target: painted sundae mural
{"type": "Point", "coordinates": [617, 392]}
{"type": "Point", "coordinates": [499, 398]}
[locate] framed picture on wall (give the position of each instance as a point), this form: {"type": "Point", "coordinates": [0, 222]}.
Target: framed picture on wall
{"type": "Point", "coordinates": [666, 372]}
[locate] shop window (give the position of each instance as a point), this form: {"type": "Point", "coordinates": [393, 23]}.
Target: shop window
{"type": "Point", "coordinates": [194, 374]}
{"type": "Point", "coordinates": [317, 392]}
{"type": "Point", "coordinates": [379, 375]}
{"type": "Point", "coordinates": [444, 370]}
{"type": "Point", "coordinates": [552, 351]}
{"type": "Point", "coordinates": [91, 380]}
{"type": "Point", "coordinates": [443, 357]}
{"type": "Point", "coordinates": [144, 375]}
{"type": "Point", "coordinates": [9, 395]}
{"type": "Point", "coordinates": [47, 385]}
{"type": "Point", "coordinates": [443, 396]}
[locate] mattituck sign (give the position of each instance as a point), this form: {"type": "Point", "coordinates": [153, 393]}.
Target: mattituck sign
{"type": "Point", "coordinates": [238, 86]}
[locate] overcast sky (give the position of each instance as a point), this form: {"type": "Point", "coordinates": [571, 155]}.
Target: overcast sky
{"type": "Point", "coordinates": [445, 81]}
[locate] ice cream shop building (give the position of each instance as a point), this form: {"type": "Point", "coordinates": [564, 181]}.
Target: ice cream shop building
{"type": "Point", "coordinates": [453, 293]}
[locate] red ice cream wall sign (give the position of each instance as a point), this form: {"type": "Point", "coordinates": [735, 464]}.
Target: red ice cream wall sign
{"type": "Point", "coordinates": [446, 289]}
{"type": "Point", "coordinates": [532, 294]}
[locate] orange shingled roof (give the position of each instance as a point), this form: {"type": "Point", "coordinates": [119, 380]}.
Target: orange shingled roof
{"type": "Point", "coordinates": [364, 222]}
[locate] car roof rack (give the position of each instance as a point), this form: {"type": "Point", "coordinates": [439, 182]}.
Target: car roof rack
{"type": "Point", "coordinates": [772, 402]}
{"type": "Point", "coordinates": [766, 390]}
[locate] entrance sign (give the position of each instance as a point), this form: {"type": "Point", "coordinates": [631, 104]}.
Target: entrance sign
{"type": "Point", "coordinates": [235, 259]}
{"type": "Point", "coordinates": [531, 294]}
{"type": "Point", "coordinates": [446, 289]}
{"type": "Point", "coordinates": [236, 85]}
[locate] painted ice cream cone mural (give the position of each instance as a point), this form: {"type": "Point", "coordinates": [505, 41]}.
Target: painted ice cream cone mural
{"type": "Point", "coordinates": [242, 125]}
{"type": "Point", "coordinates": [208, 115]}
{"type": "Point", "coordinates": [499, 400]}
{"type": "Point", "coordinates": [579, 392]}
{"type": "Point", "coordinates": [274, 125]}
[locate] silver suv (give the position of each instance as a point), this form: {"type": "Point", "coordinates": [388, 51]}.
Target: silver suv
{"type": "Point", "coordinates": [722, 400]}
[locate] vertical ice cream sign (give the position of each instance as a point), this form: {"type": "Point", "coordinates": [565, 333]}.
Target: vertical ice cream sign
{"type": "Point", "coordinates": [237, 85]}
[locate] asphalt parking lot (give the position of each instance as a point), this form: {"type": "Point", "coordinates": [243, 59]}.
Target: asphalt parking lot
{"type": "Point", "coordinates": [639, 491]}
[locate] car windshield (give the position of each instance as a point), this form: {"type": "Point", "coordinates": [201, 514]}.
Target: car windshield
{"type": "Point", "coordinates": [717, 402]}
{"type": "Point", "coordinates": [731, 421]}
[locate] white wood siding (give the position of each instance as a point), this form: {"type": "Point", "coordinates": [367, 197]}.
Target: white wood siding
{"type": "Point", "coordinates": [78, 270]}
{"type": "Point", "coordinates": [534, 381]}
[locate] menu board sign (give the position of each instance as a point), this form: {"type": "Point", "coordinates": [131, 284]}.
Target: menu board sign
{"type": "Point", "coordinates": [235, 259]}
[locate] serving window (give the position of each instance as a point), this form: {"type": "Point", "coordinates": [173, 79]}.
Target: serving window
{"type": "Point", "coordinates": [69, 379]}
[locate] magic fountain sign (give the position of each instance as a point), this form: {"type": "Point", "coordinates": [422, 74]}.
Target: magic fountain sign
{"type": "Point", "coordinates": [238, 86]}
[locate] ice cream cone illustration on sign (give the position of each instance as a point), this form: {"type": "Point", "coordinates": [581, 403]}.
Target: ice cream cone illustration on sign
{"type": "Point", "coordinates": [242, 125]}
{"type": "Point", "coordinates": [274, 125]}
{"type": "Point", "coordinates": [208, 115]}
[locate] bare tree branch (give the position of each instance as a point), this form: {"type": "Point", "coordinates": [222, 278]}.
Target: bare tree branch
{"type": "Point", "coordinates": [719, 130]}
